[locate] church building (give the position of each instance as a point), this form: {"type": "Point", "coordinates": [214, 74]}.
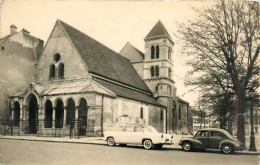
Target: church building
{"type": "Point", "coordinates": [82, 84]}
{"type": "Point", "coordinates": [155, 66]}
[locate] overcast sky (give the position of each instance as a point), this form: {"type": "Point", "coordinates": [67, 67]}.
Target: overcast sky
{"type": "Point", "coordinates": [112, 23]}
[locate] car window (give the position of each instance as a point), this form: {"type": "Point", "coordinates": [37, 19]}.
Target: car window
{"type": "Point", "coordinates": [214, 134]}
{"type": "Point", "coordinates": [137, 129]}
{"type": "Point", "coordinates": [149, 129]}
{"type": "Point", "coordinates": [202, 134]}
{"type": "Point", "coordinates": [128, 129]}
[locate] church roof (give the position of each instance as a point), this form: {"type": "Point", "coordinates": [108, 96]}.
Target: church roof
{"type": "Point", "coordinates": [158, 30]}
{"type": "Point", "coordinates": [128, 93]}
{"type": "Point", "coordinates": [67, 87]}
{"type": "Point", "coordinates": [103, 61]}
{"type": "Point", "coordinates": [132, 53]}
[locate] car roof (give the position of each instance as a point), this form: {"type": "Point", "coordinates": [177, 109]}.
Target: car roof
{"type": "Point", "coordinates": [213, 129]}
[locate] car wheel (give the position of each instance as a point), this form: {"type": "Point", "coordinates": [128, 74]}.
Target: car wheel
{"type": "Point", "coordinates": [226, 149]}
{"type": "Point", "coordinates": [186, 146]}
{"type": "Point", "coordinates": [111, 141]}
{"type": "Point", "coordinates": [158, 146]}
{"type": "Point", "coordinates": [148, 144]}
{"type": "Point", "coordinates": [122, 145]}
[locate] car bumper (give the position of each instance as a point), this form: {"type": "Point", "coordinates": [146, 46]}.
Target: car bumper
{"type": "Point", "coordinates": [240, 148]}
{"type": "Point", "coordinates": [166, 142]}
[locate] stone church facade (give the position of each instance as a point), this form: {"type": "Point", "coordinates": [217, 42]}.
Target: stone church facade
{"type": "Point", "coordinates": [80, 83]}
{"type": "Point", "coordinates": [79, 80]}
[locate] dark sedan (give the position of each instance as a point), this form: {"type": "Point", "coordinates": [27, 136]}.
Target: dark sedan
{"type": "Point", "coordinates": [212, 138]}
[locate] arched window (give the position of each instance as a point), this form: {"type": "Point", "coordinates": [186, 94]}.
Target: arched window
{"type": "Point", "coordinates": [169, 72]}
{"type": "Point", "coordinates": [70, 112]}
{"type": "Point", "coordinates": [157, 71]}
{"type": "Point", "coordinates": [48, 114]}
{"type": "Point", "coordinates": [52, 71]}
{"type": "Point", "coordinates": [173, 113]}
{"type": "Point", "coordinates": [152, 71]}
{"type": "Point", "coordinates": [61, 70]}
{"type": "Point", "coordinates": [141, 113]}
{"type": "Point", "coordinates": [179, 112]}
{"type": "Point", "coordinates": [169, 53]}
{"type": "Point", "coordinates": [152, 52]}
{"type": "Point", "coordinates": [157, 51]}
{"type": "Point", "coordinates": [161, 117]}
{"type": "Point", "coordinates": [16, 114]}
{"type": "Point", "coordinates": [83, 118]}
{"type": "Point", "coordinates": [156, 88]}
{"type": "Point", "coordinates": [59, 112]}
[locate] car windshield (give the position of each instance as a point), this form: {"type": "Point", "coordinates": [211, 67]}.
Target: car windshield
{"type": "Point", "coordinates": [149, 129]}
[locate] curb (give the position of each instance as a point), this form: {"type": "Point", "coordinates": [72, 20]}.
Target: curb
{"type": "Point", "coordinates": [77, 142]}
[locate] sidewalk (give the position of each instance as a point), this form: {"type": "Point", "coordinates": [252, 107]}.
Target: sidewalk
{"type": "Point", "coordinates": [100, 141]}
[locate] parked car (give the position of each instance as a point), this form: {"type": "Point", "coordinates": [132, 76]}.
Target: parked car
{"type": "Point", "coordinates": [211, 138]}
{"type": "Point", "coordinates": [138, 134]}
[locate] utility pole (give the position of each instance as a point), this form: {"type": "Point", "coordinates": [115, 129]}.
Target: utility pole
{"type": "Point", "coordinates": [252, 136]}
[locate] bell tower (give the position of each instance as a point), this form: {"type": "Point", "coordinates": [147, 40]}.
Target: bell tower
{"type": "Point", "coordinates": [158, 69]}
{"type": "Point", "coordinates": [158, 62]}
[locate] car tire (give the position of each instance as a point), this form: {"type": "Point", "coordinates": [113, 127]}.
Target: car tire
{"type": "Point", "coordinates": [158, 146]}
{"type": "Point", "coordinates": [227, 149]}
{"type": "Point", "coordinates": [148, 144]}
{"type": "Point", "coordinates": [111, 141]}
{"type": "Point", "coordinates": [186, 146]}
{"type": "Point", "coordinates": [122, 145]}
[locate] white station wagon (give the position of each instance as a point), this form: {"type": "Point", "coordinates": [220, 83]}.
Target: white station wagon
{"type": "Point", "coordinates": [138, 134]}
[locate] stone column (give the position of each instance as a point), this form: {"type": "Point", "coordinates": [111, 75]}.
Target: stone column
{"type": "Point", "coordinates": [65, 117]}
{"type": "Point", "coordinates": [53, 117]}
{"type": "Point", "coordinates": [77, 119]}
{"type": "Point", "coordinates": [40, 119]}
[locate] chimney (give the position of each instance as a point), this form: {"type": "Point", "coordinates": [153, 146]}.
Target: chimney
{"type": "Point", "coordinates": [25, 31]}
{"type": "Point", "coordinates": [13, 29]}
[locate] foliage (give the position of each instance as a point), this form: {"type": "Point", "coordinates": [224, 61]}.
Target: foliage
{"type": "Point", "coordinates": [223, 44]}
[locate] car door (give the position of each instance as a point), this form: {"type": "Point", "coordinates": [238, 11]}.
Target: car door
{"type": "Point", "coordinates": [215, 138]}
{"type": "Point", "coordinates": [125, 136]}
{"type": "Point", "coordinates": [202, 136]}
{"type": "Point", "coordinates": [137, 135]}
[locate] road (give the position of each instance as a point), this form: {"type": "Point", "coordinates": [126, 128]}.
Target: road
{"type": "Point", "coordinates": [36, 153]}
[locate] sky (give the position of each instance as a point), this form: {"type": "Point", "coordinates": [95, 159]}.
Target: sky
{"type": "Point", "coordinates": [113, 23]}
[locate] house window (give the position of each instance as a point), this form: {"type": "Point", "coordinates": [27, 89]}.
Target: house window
{"type": "Point", "coordinates": [61, 70]}
{"type": "Point", "coordinates": [152, 52]}
{"type": "Point", "coordinates": [3, 48]}
{"type": "Point", "coordinates": [152, 71]}
{"type": "Point", "coordinates": [156, 88]}
{"type": "Point", "coordinates": [141, 113]}
{"type": "Point", "coordinates": [157, 71]}
{"type": "Point", "coordinates": [169, 72]}
{"type": "Point", "coordinates": [169, 53]}
{"type": "Point", "coordinates": [52, 71]}
{"type": "Point", "coordinates": [157, 51]}
{"type": "Point", "coordinates": [179, 113]}
{"type": "Point", "coordinates": [161, 115]}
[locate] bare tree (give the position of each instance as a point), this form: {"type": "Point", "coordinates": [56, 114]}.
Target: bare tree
{"type": "Point", "coordinates": [223, 44]}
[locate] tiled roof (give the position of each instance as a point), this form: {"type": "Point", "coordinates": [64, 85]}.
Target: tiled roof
{"type": "Point", "coordinates": [68, 87]}
{"type": "Point", "coordinates": [128, 93]}
{"type": "Point", "coordinates": [103, 61]}
{"type": "Point", "coordinates": [158, 30]}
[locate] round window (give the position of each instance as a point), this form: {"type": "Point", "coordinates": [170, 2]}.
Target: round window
{"type": "Point", "coordinates": [57, 57]}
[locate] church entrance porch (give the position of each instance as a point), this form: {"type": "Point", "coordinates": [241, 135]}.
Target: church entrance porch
{"type": "Point", "coordinates": [33, 113]}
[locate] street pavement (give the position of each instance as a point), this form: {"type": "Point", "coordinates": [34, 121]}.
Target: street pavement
{"type": "Point", "coordinates": [20, 152]}
{"type": "Point", "coordinates": [93, 150]}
